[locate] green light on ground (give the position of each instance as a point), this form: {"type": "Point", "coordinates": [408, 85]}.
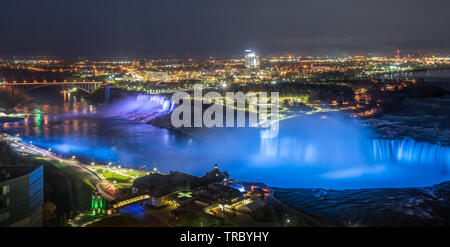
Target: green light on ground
{"type": "Point", "coordinates": [184, 194]}
{"type": "Point", "coordinates": [97, 205]}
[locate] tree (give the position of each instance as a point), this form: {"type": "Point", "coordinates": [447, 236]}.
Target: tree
{"type": "Point", "coordinates": [49, 213]}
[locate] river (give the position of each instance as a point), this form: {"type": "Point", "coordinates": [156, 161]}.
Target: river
{"type": "Point", "coordinates": [338, 158]}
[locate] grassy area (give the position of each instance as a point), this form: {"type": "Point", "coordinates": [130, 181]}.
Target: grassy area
{"type": "Point", "coordinates": [123, 180]}
{"type": "Point", "coordinates": [81, 186]}
{"type": "Point", "coordinates": [72, 171]}
{"type": "Point", "coordinates": [123, 186]}
{"type": "Point", "coordinates": [114, 176]}
{"type": "Point", "coordinates": [122, 220]}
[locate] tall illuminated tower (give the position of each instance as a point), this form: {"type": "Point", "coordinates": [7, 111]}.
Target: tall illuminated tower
{"type": "Point", "coordinates": [397, 54]}
{"type": "Point", "coordinates": [251, 60]}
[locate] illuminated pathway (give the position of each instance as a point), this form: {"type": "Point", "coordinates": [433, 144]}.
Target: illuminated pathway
{"type": "Point", "coordinates": [100, 185]}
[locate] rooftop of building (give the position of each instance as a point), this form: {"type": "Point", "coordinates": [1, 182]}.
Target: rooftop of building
{"type": "Point", "coordinates": [159, 184]}
{"type": "Point", "coordinates": [11, 172]}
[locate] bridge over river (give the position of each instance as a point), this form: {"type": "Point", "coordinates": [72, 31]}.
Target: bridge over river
{"type": "Point", "coordinates": [85, 86]}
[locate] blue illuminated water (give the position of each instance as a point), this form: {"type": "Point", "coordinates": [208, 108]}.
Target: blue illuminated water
{"type": "Point", "coordinates": [329, 155]}
{"type": "Point", "coordinates": [309, 152]}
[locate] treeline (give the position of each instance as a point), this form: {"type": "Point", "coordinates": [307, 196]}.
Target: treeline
{"type": "Point", "coordinates": [317, 91]}
{"type": "Point", "coordinates": [393, 100]}
{"type": "Point", "coordinates": [140, 85]}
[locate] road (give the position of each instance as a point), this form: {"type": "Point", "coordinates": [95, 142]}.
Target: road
{"type": "Point", "coordinates": [91, 176]}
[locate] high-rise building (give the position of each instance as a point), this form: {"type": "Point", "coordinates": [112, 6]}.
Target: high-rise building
{"type": "Point", "coordinates": [251, 60]}
{"type": "Point", "coordinates": [136, 64]}
{"type": "Point", "coordinates": [148, 64]}
{"type": "Point", "coordinates": [21, 196]}
{"type": "Point", "coordinates": [397, 54]}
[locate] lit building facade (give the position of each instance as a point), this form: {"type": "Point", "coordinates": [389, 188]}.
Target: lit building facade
{"type": "Point", "coordinates": [251, 60]}
{"type": "Point", "coordinates": [21, 196]}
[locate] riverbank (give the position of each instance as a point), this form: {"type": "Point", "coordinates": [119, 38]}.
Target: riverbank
{"type": "Point", "coordinates": [10, 115]}
{"type": "Point", "coordinates": [9, 98]}
{"type": "Point", "coordinates": [424, 120]}
{"type": "Point", "coordinates": [384, 207]}
{"type": "Point", "coordinates": [79, 189]}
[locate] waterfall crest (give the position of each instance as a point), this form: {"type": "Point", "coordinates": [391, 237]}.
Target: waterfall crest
{"type": "Point", "coordinates": [142, 108]}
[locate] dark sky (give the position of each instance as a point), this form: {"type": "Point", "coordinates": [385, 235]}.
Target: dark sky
{"type": "Point", "coordinates": [147, 28]}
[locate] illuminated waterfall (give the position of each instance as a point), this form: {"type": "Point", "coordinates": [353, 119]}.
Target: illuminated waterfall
{"type": "Point", "coordinates": [409, 151]}
{"type": "Point", "coordinates": [142, 108]}
{"type": "Point", "coordinates": [348, 152]}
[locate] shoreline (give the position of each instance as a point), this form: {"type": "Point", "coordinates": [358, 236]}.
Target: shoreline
{"type": "Point", "coordinates": [314, 220]}
{"type": "Point", "coordinates": [96, 163]}
{"type": "Point", "coordinates": [285, 204]}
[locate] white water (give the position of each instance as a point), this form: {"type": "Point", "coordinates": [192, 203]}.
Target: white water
{"type": "Point", "coordinates": [142, 108]}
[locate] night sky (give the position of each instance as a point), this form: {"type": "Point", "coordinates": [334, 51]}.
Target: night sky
{"type": "Point", "coordinates": [180, 28]}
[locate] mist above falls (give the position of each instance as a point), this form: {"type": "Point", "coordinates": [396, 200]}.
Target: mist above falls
{"type": "Point", "coordinates": [332, 151]}
{"type": "Point", "coordinates": [319, 150]}
{"type": "Point", "coordinates": [141, 108]}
